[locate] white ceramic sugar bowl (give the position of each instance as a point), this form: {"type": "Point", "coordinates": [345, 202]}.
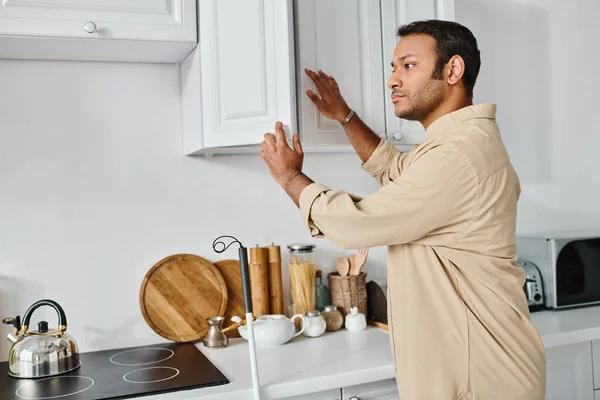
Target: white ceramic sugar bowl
{"type": "Point", "coordinates": [314, 324]}
{"type": "Point", "coordinates": [355, 321]}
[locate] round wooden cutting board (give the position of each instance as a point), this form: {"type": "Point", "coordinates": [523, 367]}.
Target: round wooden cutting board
{"type": "Point", "coordinates": [230, 269]}
{"type": "Point", "coordinates": [179, 293]}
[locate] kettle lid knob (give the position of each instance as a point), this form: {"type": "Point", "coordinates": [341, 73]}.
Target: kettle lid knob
{"type": "Point", "coordinates": [42, 326]}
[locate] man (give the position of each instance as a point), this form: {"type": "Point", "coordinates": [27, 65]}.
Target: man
{"type": "Point", "coordinates": [458, 318]}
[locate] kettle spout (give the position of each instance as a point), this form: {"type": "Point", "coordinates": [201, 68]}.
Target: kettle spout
{"type": "Point", "coordinates": [12, 338]}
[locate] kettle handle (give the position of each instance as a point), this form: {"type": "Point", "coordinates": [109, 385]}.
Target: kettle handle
{"type": "Point", "coordinates": [62, 319]}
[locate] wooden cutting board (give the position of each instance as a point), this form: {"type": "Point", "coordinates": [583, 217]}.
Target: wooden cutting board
{"type": "Point", "coordinates": [179, 293]}
{"type": "Point", "coordinates": [230, 270]}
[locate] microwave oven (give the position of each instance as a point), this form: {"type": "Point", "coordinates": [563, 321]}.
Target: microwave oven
{"type": "Point", "coordinates": [569, 264]}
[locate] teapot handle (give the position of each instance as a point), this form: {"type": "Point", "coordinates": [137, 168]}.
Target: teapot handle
{"type": "Point", "coordinates": [62, 319]}
{"type": "Point", "coordinates": [302, 325]}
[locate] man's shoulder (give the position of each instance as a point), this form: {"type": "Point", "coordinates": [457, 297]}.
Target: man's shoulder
{"type": "Point", "coordinates": [480, 144]}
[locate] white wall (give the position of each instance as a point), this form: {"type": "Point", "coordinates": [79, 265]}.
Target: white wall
{"type": "Point", "coordinates": [94, 188]}
{"type": "Point", "coordinates": [540, 64]}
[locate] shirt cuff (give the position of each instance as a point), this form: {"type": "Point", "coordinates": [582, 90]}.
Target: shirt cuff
{"type": "Point", "coordinates": [379, 159]}
{"type": "Point", "coordinates": [307, 198]}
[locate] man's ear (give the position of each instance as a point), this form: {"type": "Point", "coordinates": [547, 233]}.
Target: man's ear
{"type": "Point", "coordinates": [455, 70]}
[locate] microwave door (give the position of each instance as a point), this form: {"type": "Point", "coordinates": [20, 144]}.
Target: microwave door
{"type": "Point", "coordinates": [578, 273]}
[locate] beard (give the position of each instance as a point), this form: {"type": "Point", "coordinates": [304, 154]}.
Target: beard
{"type": "Point", "coordinates": [422, 103]}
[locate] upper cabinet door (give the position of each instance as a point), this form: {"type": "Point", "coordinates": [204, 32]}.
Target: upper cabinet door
{"type": "Point", "coordinates": [240, 79]}
{"type": "Point", "coordinates": [342, 38]}
{"type": "Point", "coordinates": [162, 20]}
{"type": "Point", "coordinates": [393, 14]}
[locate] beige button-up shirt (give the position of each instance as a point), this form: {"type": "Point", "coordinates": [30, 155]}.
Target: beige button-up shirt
{"type": "Point", "coordinates": [458, 318]}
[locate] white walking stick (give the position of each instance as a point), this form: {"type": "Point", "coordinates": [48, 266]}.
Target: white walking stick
{"type": "Point", "coordinates": [243, 256]}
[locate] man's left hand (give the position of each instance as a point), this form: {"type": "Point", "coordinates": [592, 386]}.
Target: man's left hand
{"type": "Point", "coordinates": [284, 162]}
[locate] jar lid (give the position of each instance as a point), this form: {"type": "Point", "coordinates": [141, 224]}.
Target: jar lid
{"type": "Point", "coordinates": [330, 308]}
{"type": "Point", "coordinates": [301, 247]}
{"type": "Point", "coordinates": [313, 313]}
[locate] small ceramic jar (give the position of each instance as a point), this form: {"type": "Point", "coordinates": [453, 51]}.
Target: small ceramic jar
{"type": "Point", "coordinates": [355, 321]}
{"type": "Point", "coordinates": [333, 318]}
{"type": "Point", "coordinates": [314, 324]}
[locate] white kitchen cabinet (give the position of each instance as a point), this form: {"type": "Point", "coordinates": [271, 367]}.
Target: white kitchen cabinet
{"type": "Point", "coordinates": [357, 51]}
{"type": "Point", "coordinates": [383, 390]}
{"type": "Point", "coordinates": [596, 394]}
{"type": "Point", "coordinates": [240, 79]}
{"type": "Point", "coordinates": [333, 394]}
{"type": "Point", "coordinates": [108, 30]}
{"type": "Point", "coordinates": [569, 372]}
{"type": "Point", "coordinates": [342, 38]}
{"type": "Point", "coordinates": [248, 70]}
{"type": "Point", "coordinates": [393, 14]}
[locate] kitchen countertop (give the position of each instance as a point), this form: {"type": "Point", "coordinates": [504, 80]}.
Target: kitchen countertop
{"type": "Point", "coordinates": [567, 326]}
{"type": "Point", "coordinates": [338, 359]}
{"type": "Point", "coordinates": [303, 365]}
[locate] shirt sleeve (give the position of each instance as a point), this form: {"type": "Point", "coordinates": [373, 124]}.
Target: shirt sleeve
{"type": "Point", "coordinates": [436, 196]}
{"type": "Point", "coordinates": [385, 163]}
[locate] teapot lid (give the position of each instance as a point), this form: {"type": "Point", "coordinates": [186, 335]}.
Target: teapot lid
{"type": "Point", "coordinates": [313, 313]}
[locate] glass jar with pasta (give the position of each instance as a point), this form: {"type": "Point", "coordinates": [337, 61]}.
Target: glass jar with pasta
{"type": "Point", "coordinates": [301, 268]}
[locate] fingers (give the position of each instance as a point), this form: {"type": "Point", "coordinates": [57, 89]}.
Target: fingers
{"type": "Point", "coordinates": [269, 143]}
{"type": "Point", "coordinates": [315, 99]}
{"type": "Point", "coordinates": [297, 145]}
{"type": "Point", "coordinates": [332, 81]}
{"type": "Point", "coordinates": [320, 81]}
{"type": "Point", "coordinates": [280, 134]}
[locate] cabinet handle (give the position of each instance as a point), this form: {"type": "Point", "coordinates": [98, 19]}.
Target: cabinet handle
{"type": "Point", "coordinates": [397, 136]}
{"type": "Point", "coordinates": [90, 27]}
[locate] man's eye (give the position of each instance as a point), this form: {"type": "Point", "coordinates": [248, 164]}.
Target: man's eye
{"type": "Point", "coordinates": [408, 65]}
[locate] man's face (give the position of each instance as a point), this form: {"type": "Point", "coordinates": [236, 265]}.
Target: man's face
{"type": "Point", "coordinates": [415, 93]}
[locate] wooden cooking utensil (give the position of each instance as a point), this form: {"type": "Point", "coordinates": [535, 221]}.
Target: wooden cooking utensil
{"type": "Point", "coordinates": [352, 263]}
{"type": "Point", "coordinates": [179, 293]}
{"type": "Point", "coordinates": [358, 260]}
{"type": "Point", "coordinates": [230, 269]}
{"type": "Point", "coordinates": [343, 265]}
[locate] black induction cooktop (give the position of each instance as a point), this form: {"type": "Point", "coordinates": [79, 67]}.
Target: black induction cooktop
{"type": "Point", "coordinates": [119, 374]}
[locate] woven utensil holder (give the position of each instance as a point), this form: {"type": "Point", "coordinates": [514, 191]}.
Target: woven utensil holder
{"type": "Point", "coordinates": [348, 291]}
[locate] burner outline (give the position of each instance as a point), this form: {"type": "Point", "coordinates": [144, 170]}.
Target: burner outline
{"type": "Point", "coordinates": [158, 380]}
{"type": "Point", "coordinates": [143, 349]}
{"type": "Point", "coordinates": [53, 397]}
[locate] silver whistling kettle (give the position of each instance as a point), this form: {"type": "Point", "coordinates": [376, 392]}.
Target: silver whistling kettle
{"type": "Point", "coordinates": [41, 353]}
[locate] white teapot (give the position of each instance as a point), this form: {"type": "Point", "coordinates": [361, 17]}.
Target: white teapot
{"type": "Point", "coordinates": [273, 329]}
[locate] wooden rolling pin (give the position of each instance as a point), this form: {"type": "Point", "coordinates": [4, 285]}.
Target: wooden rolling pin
{"type": "Point", "coordinates": [275, 280]}
{"type": "Point", "coordinates": [259, 280]}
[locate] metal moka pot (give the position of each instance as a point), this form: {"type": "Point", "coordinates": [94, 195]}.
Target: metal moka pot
{"type": "Point", "coordinates": [41, 353]}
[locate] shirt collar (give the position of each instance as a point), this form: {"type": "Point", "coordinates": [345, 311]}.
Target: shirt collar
{"type": "Point", "coordinates": [447, 121]}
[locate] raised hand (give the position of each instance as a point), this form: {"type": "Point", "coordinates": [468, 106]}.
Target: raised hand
{"type": "Point", "coordinates": [331, 103]}
{"type": "Point", "coordinates": [283, 161]}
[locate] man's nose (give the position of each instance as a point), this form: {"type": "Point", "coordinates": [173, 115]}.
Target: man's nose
{"type": "Point", "coordinates": [394, 82]}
